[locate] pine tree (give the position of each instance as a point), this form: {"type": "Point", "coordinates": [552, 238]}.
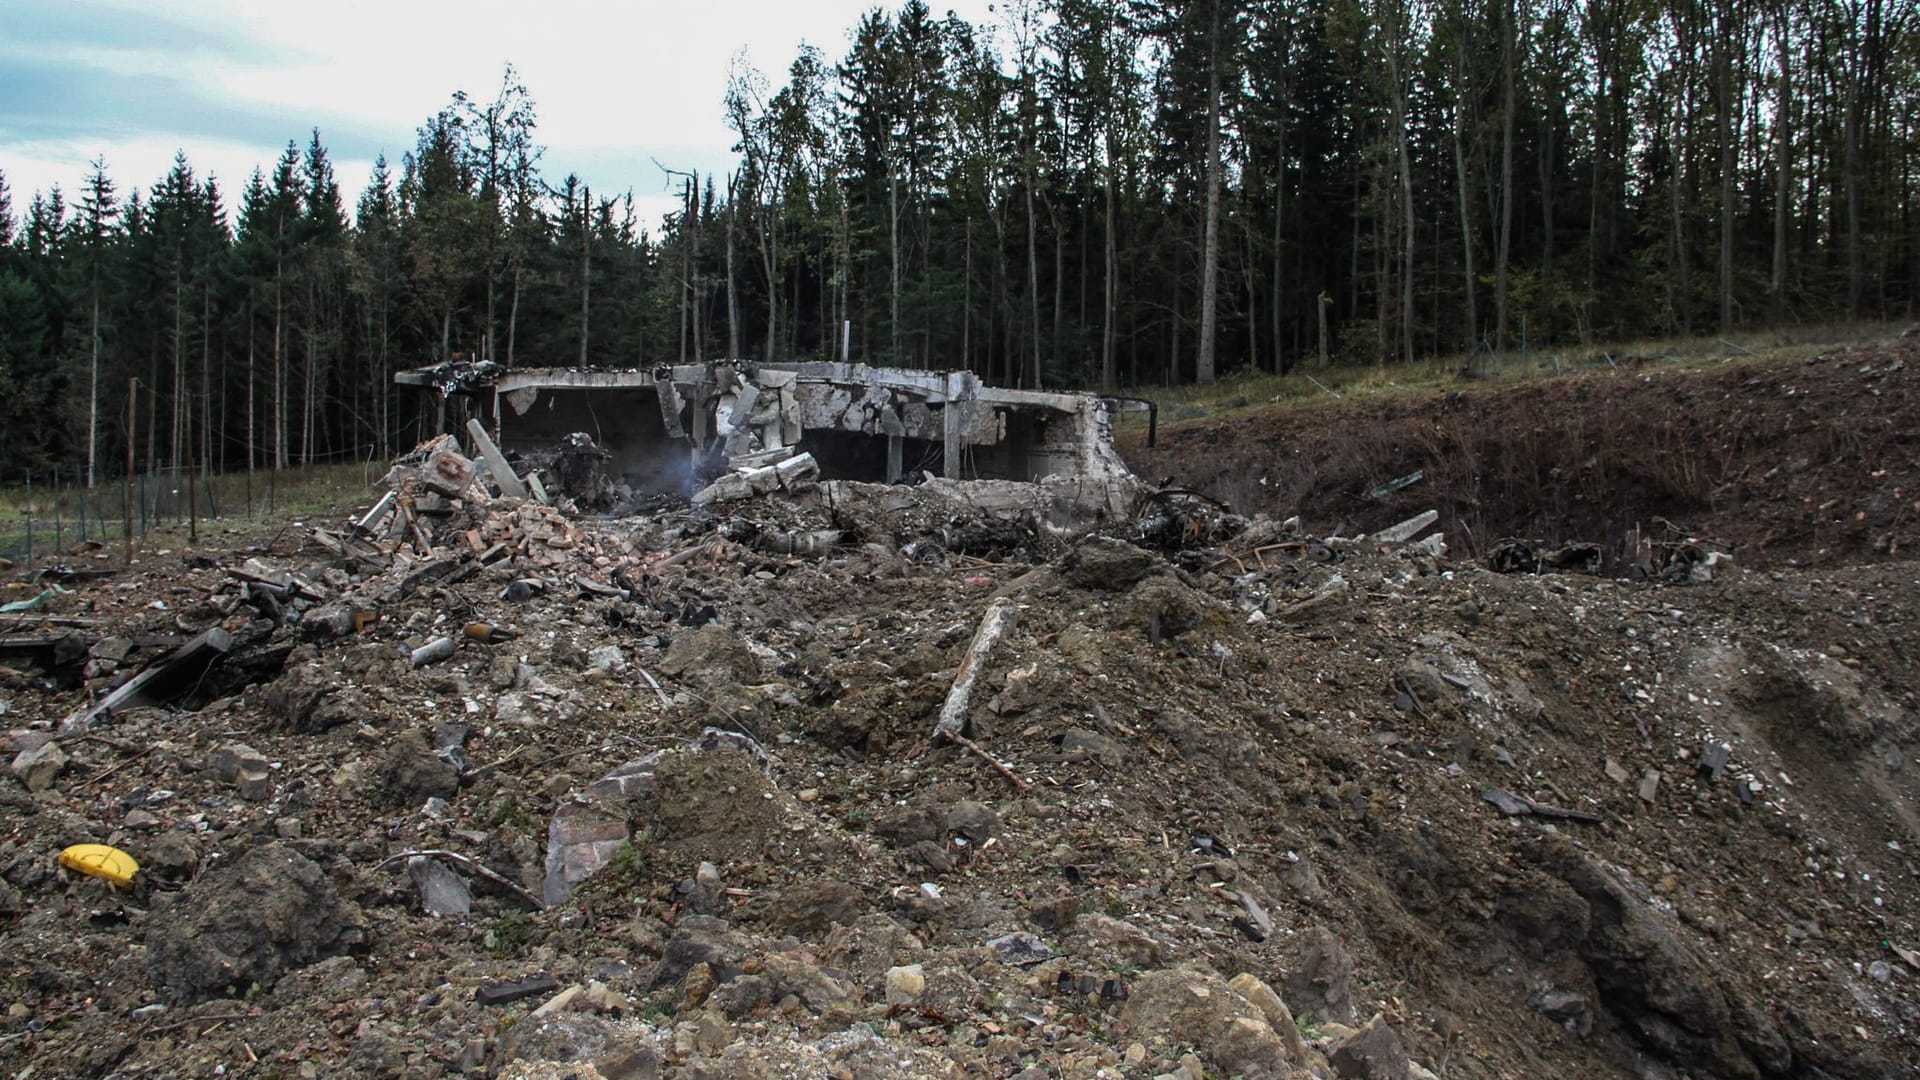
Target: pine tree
{"type": "Point", "coordinates": [97, 213]}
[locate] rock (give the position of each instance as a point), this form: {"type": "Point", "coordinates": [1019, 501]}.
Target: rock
{"type": "Point", "coordinates": [411, 772]}
{"type": "Point", "coordinates": [905, 984]}
{"type": "Point", "coordinates": [697, 985]}
{"type": "Point", "coordinates": [975, 821]}
{"type": "Point", "coordinates": [1506, 802]}
{"type": "Point", "coordinates": [305, 698]}
{"type": "Point", "coordinates": [856, 1052]}
{"type": "Point", "coordinates": [932, 855]}
{"type": "Point", "coordinates": [506, 991]}
{"type": "Point", "coordinates": [1247, 1047]}
{"type": "Point", "coordinates": [1103, 562]}
{"type": "Point", "coordinates": [527, 709]}
{"type": "Point", "coordinates": [245, 924]}
{"type": "Point", "coordinates": [1057, 913]}
{"type": "Point", "coordinates": [1027, 687]}
{"type": "Point", "coordinates": [910, 824]}
{"type": "Point", "coordinates": [245, 768]}
{"type": "Point", "coordinates": [811, 908]}
{"type": "Point", "coordinates": [37, 768]}
{"type": "Point", "coordinates": [1113, 942]}
{"type": "Point", "coordinates": [328, 621]}
{"type": "Point", "coordinates": [949, 993]}
{"type": "Point", "coordinates": [1257, 924]}
{"type": "Point", "coordinates": [828, 994]}
{"type": "Point", "coordinates": [113, 650]}
{"type": "Point", "coordinates": [1320, 982]}
{"type": "Point", "coordinates": [254, 785]}
{"type": "Point", "coordinates": [1372, 1053]}
{"type": "Point", "coordinates": [441, 891]}
{"type": "Point", "coordinates": [600, 997]}
{"type": "Point", "coordinates": [699, 939]}
{"type": "Point", "coordinates": [1568, 1008]}
{"type": "Point", "coordinates": [1021, 949]}
{"type": "Point", "coordinates": [1649, 979]}
{"type": "Point", "coordinates": [711, 656]}
{"type": "Point", "coordinates": [1106, 751]}
{"type": "Point", "coordinates": [608, 658]}
{"type": "Point", "coordinates": [1278, 1016]}
{"type": "Point", "coordinates": [1714, 760]}
{"type": "Point", "coordinates": [1650, 785]}
{"type": "Point", "coordinates": [615, 1049]}
{"type": "Point", "coordinates": [226, 762]}
{"type": "Point", "coordinates": [870, 946]}
{"type": "Point", "coordinates": [1194, 1006]}
{"type": "Point", "coordinates": [741, 996]}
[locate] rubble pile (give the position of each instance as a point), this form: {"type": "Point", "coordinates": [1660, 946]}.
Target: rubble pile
{"type": "Point", "coordinates": [927, 780]}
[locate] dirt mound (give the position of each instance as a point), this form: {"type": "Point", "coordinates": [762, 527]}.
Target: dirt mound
{"type": "Point", "coordinates": [1779, 463]}
{"type": "Point", "coordinates": [240, 928]}
{"type": "Point", "coordinates": [1229, 798]}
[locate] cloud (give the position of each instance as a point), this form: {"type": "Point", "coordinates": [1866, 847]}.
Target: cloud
{"type": "Point", "coordinates": [230, 81]}
{"type": "Point", "coordinates": [170, 30]}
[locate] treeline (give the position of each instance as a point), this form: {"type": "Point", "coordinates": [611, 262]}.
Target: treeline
{"type": "Point", "coordinates": [1089, 192]}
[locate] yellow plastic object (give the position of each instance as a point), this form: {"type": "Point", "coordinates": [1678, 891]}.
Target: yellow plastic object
{"type": "Point", "coordinates": [102, 862]}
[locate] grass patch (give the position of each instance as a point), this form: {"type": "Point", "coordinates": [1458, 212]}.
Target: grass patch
{"type": "Point", "coordinates": [1248, 390]}
{"type": "Point", "coordinates": [162, 510]}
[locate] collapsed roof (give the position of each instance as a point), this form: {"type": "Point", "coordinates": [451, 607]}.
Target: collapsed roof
{"type": "Point", "coordinates": [666, 429]}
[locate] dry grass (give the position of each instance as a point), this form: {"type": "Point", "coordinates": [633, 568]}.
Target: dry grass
{"type": "Point", "coordinates": [223, 502]}
{"type": "Point", "coordinates": [1248, 390]}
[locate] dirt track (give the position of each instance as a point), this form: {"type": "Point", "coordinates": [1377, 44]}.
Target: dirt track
{"type": "Point", "coordinates": [1260, 753]}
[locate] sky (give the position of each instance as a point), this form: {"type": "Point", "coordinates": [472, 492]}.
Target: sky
{"type": "Point", "coordinates": [616, 84]}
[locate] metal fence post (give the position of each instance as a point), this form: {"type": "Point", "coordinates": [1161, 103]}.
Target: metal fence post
{"type": "Point", "coordinates": [29, 562]}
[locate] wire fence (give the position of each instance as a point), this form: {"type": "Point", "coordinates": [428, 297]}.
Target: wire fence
{"type": "Point", "coordinates": [50, 516]}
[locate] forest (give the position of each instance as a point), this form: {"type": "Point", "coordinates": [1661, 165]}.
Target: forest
{"type": "Point", "coordinates": [1094, 193]}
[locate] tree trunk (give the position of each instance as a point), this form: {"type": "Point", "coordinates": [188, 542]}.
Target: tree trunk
{"type": "Point", "coordinates": [1406, 198]}
{"type": "Point", "coordinates": [93, 389]}
{"type": "Point", "coordinates": [966, 303]}
{"type": "Point", "coordinates": [772, 249]}
{"type": "Point", "coordinates": [1033, 270]}
{"type": "Point", "coordinates": [251, 435]}
{"type": "Point", "coordinates": [1059, 281]}
{"type": "Point", "coordinates": [893, 251]}
{"type": "Point", "coordinates": [1504, 243]}
{"type": "Point", "coordinates": [179, 362]}
{"type": "Point", "coordinates": [733, 293]}
{"type": "Point", "coordinates": [513, 309]}
{"type": "Point", "coordinates": [1466, 216]}
{"type": "Point", "coordinates": [1203, 361]}
{"type": "Point", "coordinates": [1107, 373]}
{"type": "Point", "coordinates": [1783, 165]}
{"type": "Point", "coordinates": [1725, 125]}
{"type": "Point", "coordinates": [278, 421]}
{"type": "Point", "coordinates": [1279, 244]}
{"type": "Point", "coordinates": [586, 270]}
{"type": "Point", "coordinates": [1850, 166]}
{"type": "Point", "coordinates": [306, 379]}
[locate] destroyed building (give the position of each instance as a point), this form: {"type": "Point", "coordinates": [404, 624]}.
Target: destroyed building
{"type": "Point", "coordinates": [721, 426]}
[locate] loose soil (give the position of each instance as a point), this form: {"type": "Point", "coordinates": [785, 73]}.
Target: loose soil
{"type": "Point", "coordinates": [1807, 463]}
{"type": "Point", "coordinates": [1543, 825]}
